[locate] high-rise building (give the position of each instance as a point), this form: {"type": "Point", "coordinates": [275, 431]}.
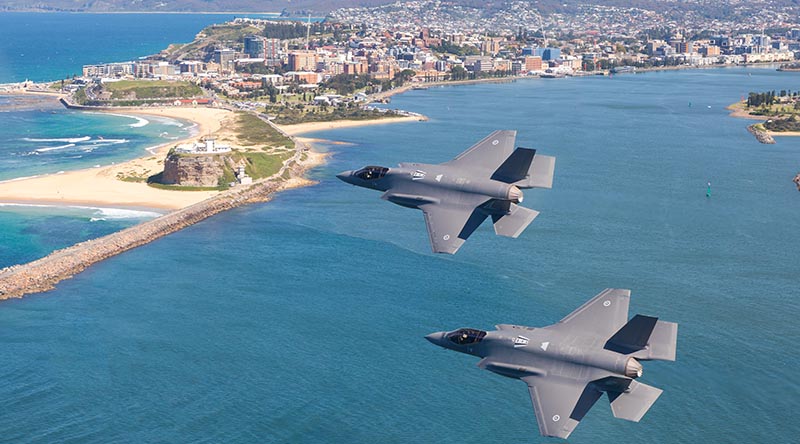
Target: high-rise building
{"type": "Point", "coordinates": [548, 53]}
{"type": "Point", "coordinates": [533, 63]}
{"type": "Point", "coordinates": [302, 61]}
{"type": "Point", "coordinates": [225, 58]}
{"type": "Point", "coordinates": [254, 46]}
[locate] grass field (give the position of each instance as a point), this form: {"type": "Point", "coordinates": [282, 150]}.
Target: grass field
{"type": "Point", "coordinates": [155, 89]}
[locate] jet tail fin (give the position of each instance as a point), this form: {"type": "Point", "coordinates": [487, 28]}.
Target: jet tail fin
{"type": "Point", "coordinates": [646, 338]}
{"type": "Point", "coordinates": [634, 402]}
{"type": "Point", "coordinates": [515, 222]}
{"type": "Point", "coordinates": [516, 166]}
{"type": "Point", "coordinates": [526, 169]}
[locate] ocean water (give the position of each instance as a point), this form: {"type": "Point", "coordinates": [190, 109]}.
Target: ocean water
{"type": "Point", "coordinates": [27, 51]}
{"type": "Point", "coordinates": [302, 320]}
{"type": "Point", "coordinates": [33, 231]}
{"type": "Point", "coordinates": [39, 136]}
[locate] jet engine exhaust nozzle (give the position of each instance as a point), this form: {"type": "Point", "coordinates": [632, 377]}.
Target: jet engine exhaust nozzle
{"type": "Point", "coordinates": [633, 369]}
{"type": "Point", "coordinates": [514, 194]}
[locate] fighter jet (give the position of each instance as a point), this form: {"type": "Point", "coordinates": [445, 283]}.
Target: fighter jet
{"type": "Point", "coordinates": [457, 196]}
{"type": "Point", "coordinates": [568, 365]}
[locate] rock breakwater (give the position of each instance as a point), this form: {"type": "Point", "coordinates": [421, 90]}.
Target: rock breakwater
{"type": "Point", "coordinates": [760, 135]}
{"type": "Point", "coordinates": [42, 275]}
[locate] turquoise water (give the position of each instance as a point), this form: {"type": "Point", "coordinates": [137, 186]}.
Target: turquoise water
{"type": "Point", "coordinates": [39, 136]}
{"type": "Point", "coordinates": [302, 320]}
{"type": "Point", "coordinates": [32, 231]}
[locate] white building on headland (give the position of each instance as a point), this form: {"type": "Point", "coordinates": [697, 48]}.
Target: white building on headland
{"type": "Point", "coordinates": [207, 145]}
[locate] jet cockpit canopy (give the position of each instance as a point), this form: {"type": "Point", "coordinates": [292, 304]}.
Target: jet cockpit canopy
{"type": "Point", "coordinates": [371, 172]}
{"type": "Point", "coordinates": [464, 336]}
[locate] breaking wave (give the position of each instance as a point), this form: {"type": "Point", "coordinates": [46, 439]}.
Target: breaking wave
{"type": "Point", "coordinates": [65, 140]}
{"type": "Point", "coordinates": [54, 148]}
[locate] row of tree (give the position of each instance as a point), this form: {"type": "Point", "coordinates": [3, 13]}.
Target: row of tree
{"type": "Point", "coordinates": [767, 98]}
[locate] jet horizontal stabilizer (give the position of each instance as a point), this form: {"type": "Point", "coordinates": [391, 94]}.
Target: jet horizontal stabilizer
{"type": "Point", "coordinates": [514, 223]}
{"type": "Point", "coordinates": [540, 174]}
{"type": "Point", "coordinates": [635, 402]}
{"type": "Point", "coordinates": [662, 344]}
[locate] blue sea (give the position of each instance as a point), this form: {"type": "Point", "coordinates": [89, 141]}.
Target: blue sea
{"type": "Point", "coordinates": [39, 136]}
{"type": "Point", "coordinates": [302, 320]}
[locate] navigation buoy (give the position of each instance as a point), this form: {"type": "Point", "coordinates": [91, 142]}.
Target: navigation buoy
{"type": "Point", "coordinates": [708, 190]}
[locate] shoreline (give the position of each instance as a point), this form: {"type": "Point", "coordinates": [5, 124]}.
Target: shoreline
{"type": "Point", "coordinates": [100, 186]}
{"type": "Point", "coordinates": [738, 112]}
{"type": "Point", "coordinates": [43, 274]}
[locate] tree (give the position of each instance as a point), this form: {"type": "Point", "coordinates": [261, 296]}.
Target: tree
{"type": "Point", "coordinates": [458, 73]}
{"type": "Point", "coordinates": [403, 76]}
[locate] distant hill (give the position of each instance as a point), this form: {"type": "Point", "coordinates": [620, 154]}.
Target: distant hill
{"type": "Point", "coordinates": [719, 9]}
{"type": "Point", "coordinates": [293, 6]}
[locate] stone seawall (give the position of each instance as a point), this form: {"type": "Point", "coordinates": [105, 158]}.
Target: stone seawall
{"type": "Point", "coordinates": [761, 136]}
{"type": "Point", "coordinates": [43, 274]}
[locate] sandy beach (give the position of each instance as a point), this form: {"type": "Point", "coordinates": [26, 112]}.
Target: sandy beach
{"type": "Point", "coordinates": [100, 186]}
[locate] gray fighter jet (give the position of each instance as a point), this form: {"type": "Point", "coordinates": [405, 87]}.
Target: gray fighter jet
{"type": "Point", "coordinates": [568, 365]}
{"type": "Point", "coordinates": [457, 196]}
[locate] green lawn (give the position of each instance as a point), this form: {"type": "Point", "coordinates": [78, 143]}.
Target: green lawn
{"type": "Point", "coordinates": [254, 131]}
{"type": "Point", "coordinates": [155, 89]}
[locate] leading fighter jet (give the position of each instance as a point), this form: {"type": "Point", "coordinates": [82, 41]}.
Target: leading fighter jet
{"type": "Point", "coordinates": [456, 196]}
{"type": "Point", "coordinates": [569, 365]}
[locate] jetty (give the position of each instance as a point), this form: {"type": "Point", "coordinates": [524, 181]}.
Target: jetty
{"type": "Point", "coordinates": [43, 274]}
{"type": "Point", "coordinates": [760, 135]}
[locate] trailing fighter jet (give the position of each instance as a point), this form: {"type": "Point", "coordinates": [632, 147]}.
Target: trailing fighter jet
{"type": "Point", "coordinates": [569, 365]}
{"type": "Point", "coordinates": [457, 196]}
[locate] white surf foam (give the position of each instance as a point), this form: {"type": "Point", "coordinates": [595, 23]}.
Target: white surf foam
{"type": "Point", "coordinates": [54, 148]}
{"type": "Point", "coordinates": [65, 140]}
{"type": "Point", "coordinates": [140, 122]}
{"type": "Point", "coordinates": [97, 213]}
{"type": "Point", "coordinates": [123, 213]}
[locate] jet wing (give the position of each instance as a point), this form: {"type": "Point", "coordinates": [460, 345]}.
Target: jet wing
{"type": "Point", "coordinates": [450, 225]}
{"type": "Point", "coordinates": [488, 154]}
{"type": "Point", "coordinates": [560, 403]}
{"type": "Point", "coordinates": [603, 315]}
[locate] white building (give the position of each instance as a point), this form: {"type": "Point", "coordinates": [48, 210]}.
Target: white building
{"type": "Point", "coordinates": [207, 145]}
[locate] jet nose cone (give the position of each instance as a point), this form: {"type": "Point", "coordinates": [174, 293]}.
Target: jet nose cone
{"type": "Point", "coordinates": [345, 175]}
{"type": "Point", "coordinates": [435, 338]}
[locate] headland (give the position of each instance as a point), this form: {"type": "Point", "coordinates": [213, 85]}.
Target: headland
{"type": "Point", "coordinates": [107, 186]}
